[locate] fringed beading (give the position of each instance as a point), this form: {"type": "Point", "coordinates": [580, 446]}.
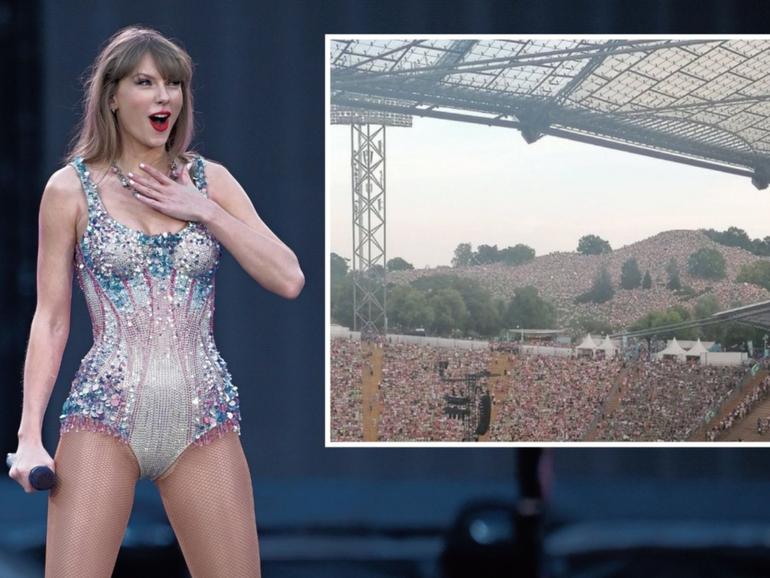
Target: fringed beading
{"type": "Point", "coordinates": [217, 432]}
{"type": "Point", "coordinates": [77, 422]}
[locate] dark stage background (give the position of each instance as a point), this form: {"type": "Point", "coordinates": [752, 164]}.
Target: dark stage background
{"type": "Point", "coordinates": [259, 96]}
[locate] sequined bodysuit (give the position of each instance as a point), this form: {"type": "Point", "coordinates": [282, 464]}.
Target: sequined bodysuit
{"type": "Point", "coordinates": [153, 377]}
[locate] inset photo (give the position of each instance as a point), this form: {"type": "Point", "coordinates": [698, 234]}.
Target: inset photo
{"type": "Point", "coordinates": [548, 240]}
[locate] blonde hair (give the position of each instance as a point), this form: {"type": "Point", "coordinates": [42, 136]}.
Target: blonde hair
{"type": "Point", "coordinates": [98, 137]}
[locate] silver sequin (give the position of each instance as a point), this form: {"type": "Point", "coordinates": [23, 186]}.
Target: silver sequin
{"type": "Point", "coordinates": [153, 377]}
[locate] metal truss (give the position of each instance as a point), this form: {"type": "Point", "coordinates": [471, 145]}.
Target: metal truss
{"type": "Point", "coordinates": [699, 102]}
{"type": "Point", "coordinates": [467, 405]}
{"type": "Point", "coordinates": [369, 267]}
{"type": "Point", "coordinates": [367, 144]}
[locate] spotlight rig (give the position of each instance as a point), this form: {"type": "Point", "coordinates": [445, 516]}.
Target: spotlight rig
{"type": "Point", "coordinates": [474, 407]}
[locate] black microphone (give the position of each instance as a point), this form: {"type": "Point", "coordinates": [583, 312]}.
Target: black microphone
{"type": "Point", "coordinates": [40, 477]}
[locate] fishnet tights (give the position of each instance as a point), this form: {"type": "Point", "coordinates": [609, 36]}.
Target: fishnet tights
{"type": "Point", "coordinates": [209, 502]}
{"type": "Point", "coordinates": [207, 495]}
{"type": "Point", "coordinates": [88, 509]}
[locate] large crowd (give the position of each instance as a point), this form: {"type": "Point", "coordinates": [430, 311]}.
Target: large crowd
{"type": "Point", "coordinates": [541, 398]}
{"type": "Point", "coordinates": [560, 277]}
{"type": "Point", "coordinates": [345, 392]}
{"type": "Point", "coordinates": [667, 400]}
{"type": "Point", "coordinates": [552, 398]}
{"type": "Point", "coordinates": [744, 408]}
{"type": "Point", "coordinates": [415, 379]}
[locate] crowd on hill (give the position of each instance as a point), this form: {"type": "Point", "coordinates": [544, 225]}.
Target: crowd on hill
{"type": "Point", "coordinates": [560, 277]}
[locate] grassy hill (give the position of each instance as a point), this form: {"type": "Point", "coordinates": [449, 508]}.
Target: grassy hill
{"type": "Point", "coordinates": [560, 277]}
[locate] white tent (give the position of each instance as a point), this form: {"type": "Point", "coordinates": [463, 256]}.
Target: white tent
{"type": "Point", "coordinates": [588, 344]}
{"type": "Point", "coordinates": [696, 350]}
{"type": "Point", "coordinates": [608, 347]}
{"type": "Point", "coordinates": [673, 349]}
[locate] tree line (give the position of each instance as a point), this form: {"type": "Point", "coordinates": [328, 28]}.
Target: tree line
{"type": "Point", "coordinates": [445, 305]}
{"type": "Point", "coordinates": [465, 256]}
{"type": "Point", "coordinates": [736, 237]}
{"type": "Point", "coordinates": [730, 335]}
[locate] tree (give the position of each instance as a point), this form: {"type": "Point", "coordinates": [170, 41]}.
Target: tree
{"type": "Point", "coordinates": [761, 246]}
{"type": "Point", "coordinates": [600, 291]}
{"type": "Point", "coordinates": [757, 273]}
{"type": "Point", "coordinates": [672, 269]}
{"type": "Point", "coordinates": [487, 254]}
{"type": "Point", "coordinates": [516, 255]}
{"type": "Point", "coordinates": [706, 306]}
{"type": "Point", "coordinates": [735, 335]}
{"type": "Point", "coordinates": [376, 271]}
{"type": "Point", "coordinates": [463, 255]}
{"type": "Point", "coordinates": [647, 281]}
{"type": "Point", "coordinates": [408, 308]}
{"type": "Point", "coordinates": [735, 237]}
{"type": "Point", "coordinates": [338, 267]}
{"type": "Point", "coordinates": [342, 301]}
{"type": "Point", "coordinates": [341, 290]}
{"type": "Point", "coordinates": [399, 264]}
{"type": "Point", "coordinates": [449, 311]}
{"type": "Point", "coordinates": [707, 264]}
{"type": "Point", "coordinates": [593, 245]}
{"type": "Point", "coordinates": [482, 317]}
{"type": "Point", "coordinates": [585, 324]}
{"type": "Point", "coordinates": [630, 275]}
{"type": "Point", "coordinates": [500, 310]}
{"type": "Point", "coordinates": [528, 310]}
{"type": "Point", "coordinates": [435, 282]}
{"type": "Point", "coordinates": [670, 316]}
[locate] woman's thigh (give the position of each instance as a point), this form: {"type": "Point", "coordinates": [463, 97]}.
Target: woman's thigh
{"type": "Point", "coordinates": [209, 501]}
{"type": "Point", "coordinates": [89, 507]}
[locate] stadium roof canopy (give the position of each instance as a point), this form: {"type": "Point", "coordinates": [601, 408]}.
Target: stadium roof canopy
{"type": "Point", "coordinates": [756, 314]}
{"type": "Point", "coordinates": [703, 102]}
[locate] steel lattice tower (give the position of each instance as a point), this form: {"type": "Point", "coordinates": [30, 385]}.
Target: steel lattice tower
{"type": "Point", "coordinates": [367, 166]}
{"type": "Point", "coordinates": [367, 145]}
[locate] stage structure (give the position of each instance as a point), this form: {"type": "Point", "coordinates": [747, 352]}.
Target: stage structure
{"type": "Point", "coordinates": [367, 165]}
{"type": "Point", "coordinates": [367, 148]}
{"type": "Point", "coordinates": [702, 102]}
{"type": "Point", "coordinates": [473, 407]}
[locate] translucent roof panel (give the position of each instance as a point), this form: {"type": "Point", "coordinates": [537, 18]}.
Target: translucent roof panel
{"type": "Point", "coordinates": [688, 98]}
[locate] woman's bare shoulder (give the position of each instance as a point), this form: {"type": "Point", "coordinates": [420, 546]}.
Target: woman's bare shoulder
{"type": "Point", "coordinates": [65, 179]}
{"type": "Point", "coordinates": [64, 190]}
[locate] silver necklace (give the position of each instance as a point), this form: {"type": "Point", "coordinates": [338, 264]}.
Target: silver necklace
{"type": "Point", "coordinates": [124, 179]}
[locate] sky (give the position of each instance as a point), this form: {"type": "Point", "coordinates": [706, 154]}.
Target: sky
{"type": "Point", "coordinates": [450, 182]}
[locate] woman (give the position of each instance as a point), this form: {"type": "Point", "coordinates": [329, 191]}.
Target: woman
{"type": "Point", "coordinates": [143, 218]}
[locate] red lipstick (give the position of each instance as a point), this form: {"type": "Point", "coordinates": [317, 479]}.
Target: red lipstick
{"type": "Point", "coordinates": [160, 120]}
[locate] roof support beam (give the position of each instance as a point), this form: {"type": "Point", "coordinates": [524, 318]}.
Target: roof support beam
{"type": "Point", "coordinates": [579, 137]}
